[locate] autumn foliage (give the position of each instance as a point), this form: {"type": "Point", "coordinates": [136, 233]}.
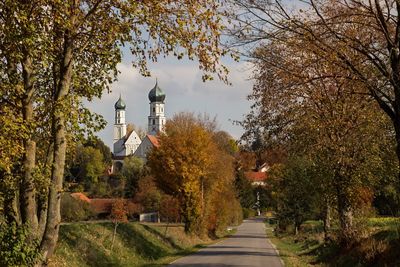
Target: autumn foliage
{"type": "Point", "coordinates": [327, 91]}
{"type": "Point", "coordinates": [190, 166]}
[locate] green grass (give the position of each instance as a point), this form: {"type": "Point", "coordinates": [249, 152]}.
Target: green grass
{"type": "Point", "coordinates": [135, 245]}
{"type": "Point", "coordinates": [378, 246]}
{"type": "Point", "coordinates": [294, 251]}
{"type": "Point", "coordinates": [389, 222]}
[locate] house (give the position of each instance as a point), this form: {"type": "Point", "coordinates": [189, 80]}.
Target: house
{"type": "Point", "coordinates": [264, 167]}
{"type": "Point", "coordinates": [256, 178]}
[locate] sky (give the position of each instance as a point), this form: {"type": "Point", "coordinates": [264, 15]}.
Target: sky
{"type": "Point", "coordinates": [185, 91]}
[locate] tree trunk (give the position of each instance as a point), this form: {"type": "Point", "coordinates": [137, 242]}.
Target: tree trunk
{"type": "Point", "coordinates": [327, 220]}
{"type": "Point", "coordinates": [28, 192]}
{"type": "Point", "coordinates": [114, 234]}
{"type": "Point", "coordinates": [50, 237]}
{"type": "Point", "coordinates": [54, 201]}
{"type": "Point", "coordinates": [346, 219]}
{"type": "Point", "coordinates": [396, 123]}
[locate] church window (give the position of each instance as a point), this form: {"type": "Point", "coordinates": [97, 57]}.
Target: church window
{"type": "Point", "coordinates": [154, 121]}
{"type": "Point", "coordinates": [154, 109]}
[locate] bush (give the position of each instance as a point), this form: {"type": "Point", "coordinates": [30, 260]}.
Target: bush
{"type": "Point", "coordinates": [15, 250]}
{"type": "Point", "coordinates": [247, 213]}
{"type": "Point", "coordinates": [170, 209]}
{"type": "Point", "coordinates": [73, 210]}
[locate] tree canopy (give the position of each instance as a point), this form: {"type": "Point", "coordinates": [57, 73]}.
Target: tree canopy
{"type": "Point", "coordinates": [55, 54]}
{"type": "Point", "coordinates": [192, 167]}
{"type": "Point", "coordinates": [315, 97]}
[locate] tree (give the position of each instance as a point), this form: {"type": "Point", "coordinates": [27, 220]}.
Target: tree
{"type": "Point", "coordinates": [191, 167]}
{"type": "Point", "coordinates": [170, 209]}
{"type": "Point", "coordinates": [225, 142]}
{"type": "Point", "coordinates": [181, 164]}
{"type": "Point", "coordinates": [119, 214]}
{"type": "Point", "coordinates": [358, 37]}
{"type": "Point", "coordinates": [91, 165]}
{"type": "Point", "coordinates": [55, 54]}
{"type": "Point", "coordinates": [245, 190]}
{"type": "Point", "coordinates": [148, 195]}
{"type": "Point", "coordinates": [295, 193]}
{"type": "Point", "coordinates": [132, 171]}
{"type": "Point", "coordinates": [315, 110]}
{"type": "Point", "coordinates": [97, 143]}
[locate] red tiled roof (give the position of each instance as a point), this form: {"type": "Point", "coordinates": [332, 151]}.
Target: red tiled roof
{"type": "Point", "coordinates": [102, 205]}
{"type": "Point", "coordinates": [80, 196]}
{"type": "Point", "coordinates": [256, 176]}
{"type": "Point", "coordinates": [154, 140]}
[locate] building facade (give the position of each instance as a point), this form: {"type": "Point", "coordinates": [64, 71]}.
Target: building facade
{"type": "Point", "coordinates": [128, 143]}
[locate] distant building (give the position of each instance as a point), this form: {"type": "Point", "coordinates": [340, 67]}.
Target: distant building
{"type": "Point", "coordinates": [263, 168]}
{"type": "Point", "coordinates": [256, 178]}
{"type": "Point", "coordinates": [127, 144]}
{"type": "Point", "coordinates": [259, 177]}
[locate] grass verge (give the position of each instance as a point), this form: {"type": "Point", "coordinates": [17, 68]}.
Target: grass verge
{"type": "Point", "coordinates": [378, 247]}
{"type": "Point", "coordinates": [294, 253]}
{"type": "Point", "coordinates": [135, 245]}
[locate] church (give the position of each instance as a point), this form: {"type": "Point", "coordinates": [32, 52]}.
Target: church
{"type": "Point", "coordinates": [126, 144]}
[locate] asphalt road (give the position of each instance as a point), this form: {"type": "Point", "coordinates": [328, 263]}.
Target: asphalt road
{"type": "Point", "coordinates": [248, 247]}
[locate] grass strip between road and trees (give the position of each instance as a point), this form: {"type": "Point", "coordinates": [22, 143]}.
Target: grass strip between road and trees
{"type": "Point", "coordinates": [135, 244]}
{"type": "Point", "coordinates": [308, 248]}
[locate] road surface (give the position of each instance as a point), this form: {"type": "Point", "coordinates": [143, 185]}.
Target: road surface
{"type": "Point", "coordinates": [248, 247]}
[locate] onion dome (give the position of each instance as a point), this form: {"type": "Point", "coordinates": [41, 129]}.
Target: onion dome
{"type": "Point", "coordinates": [156, 94]}
{"type": "Point", "coordinates": [120, 104]}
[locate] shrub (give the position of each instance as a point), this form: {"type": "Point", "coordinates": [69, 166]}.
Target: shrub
{"type": "Point", "coordinates": [15, 249]}
{"type": "Point", "coordinates": [247, 213]}
{"type": "Point", "coordinates": [73, 210]}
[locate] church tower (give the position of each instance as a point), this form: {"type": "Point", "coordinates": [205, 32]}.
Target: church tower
{"type": "Point", "coordinates": [119, 125]}
{"type": "Point", "coordinates": [157, 116]}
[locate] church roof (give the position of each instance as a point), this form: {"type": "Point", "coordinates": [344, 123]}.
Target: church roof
{"type": "Point", "coordinates": [154, 140]}
{"type": "Point", "coordinates": [156, 94]}
{"type": "Point", "coordinates": [120, 104]}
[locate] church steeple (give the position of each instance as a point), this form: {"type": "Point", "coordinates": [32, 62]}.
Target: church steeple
{"type": "Point", "coordinates": [157, 116]}
{"type": "Point", "coordinates": [119, 125]}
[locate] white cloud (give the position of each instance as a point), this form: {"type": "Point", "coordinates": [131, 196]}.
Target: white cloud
{"type": "Point", "coordinates": [181, 80]}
